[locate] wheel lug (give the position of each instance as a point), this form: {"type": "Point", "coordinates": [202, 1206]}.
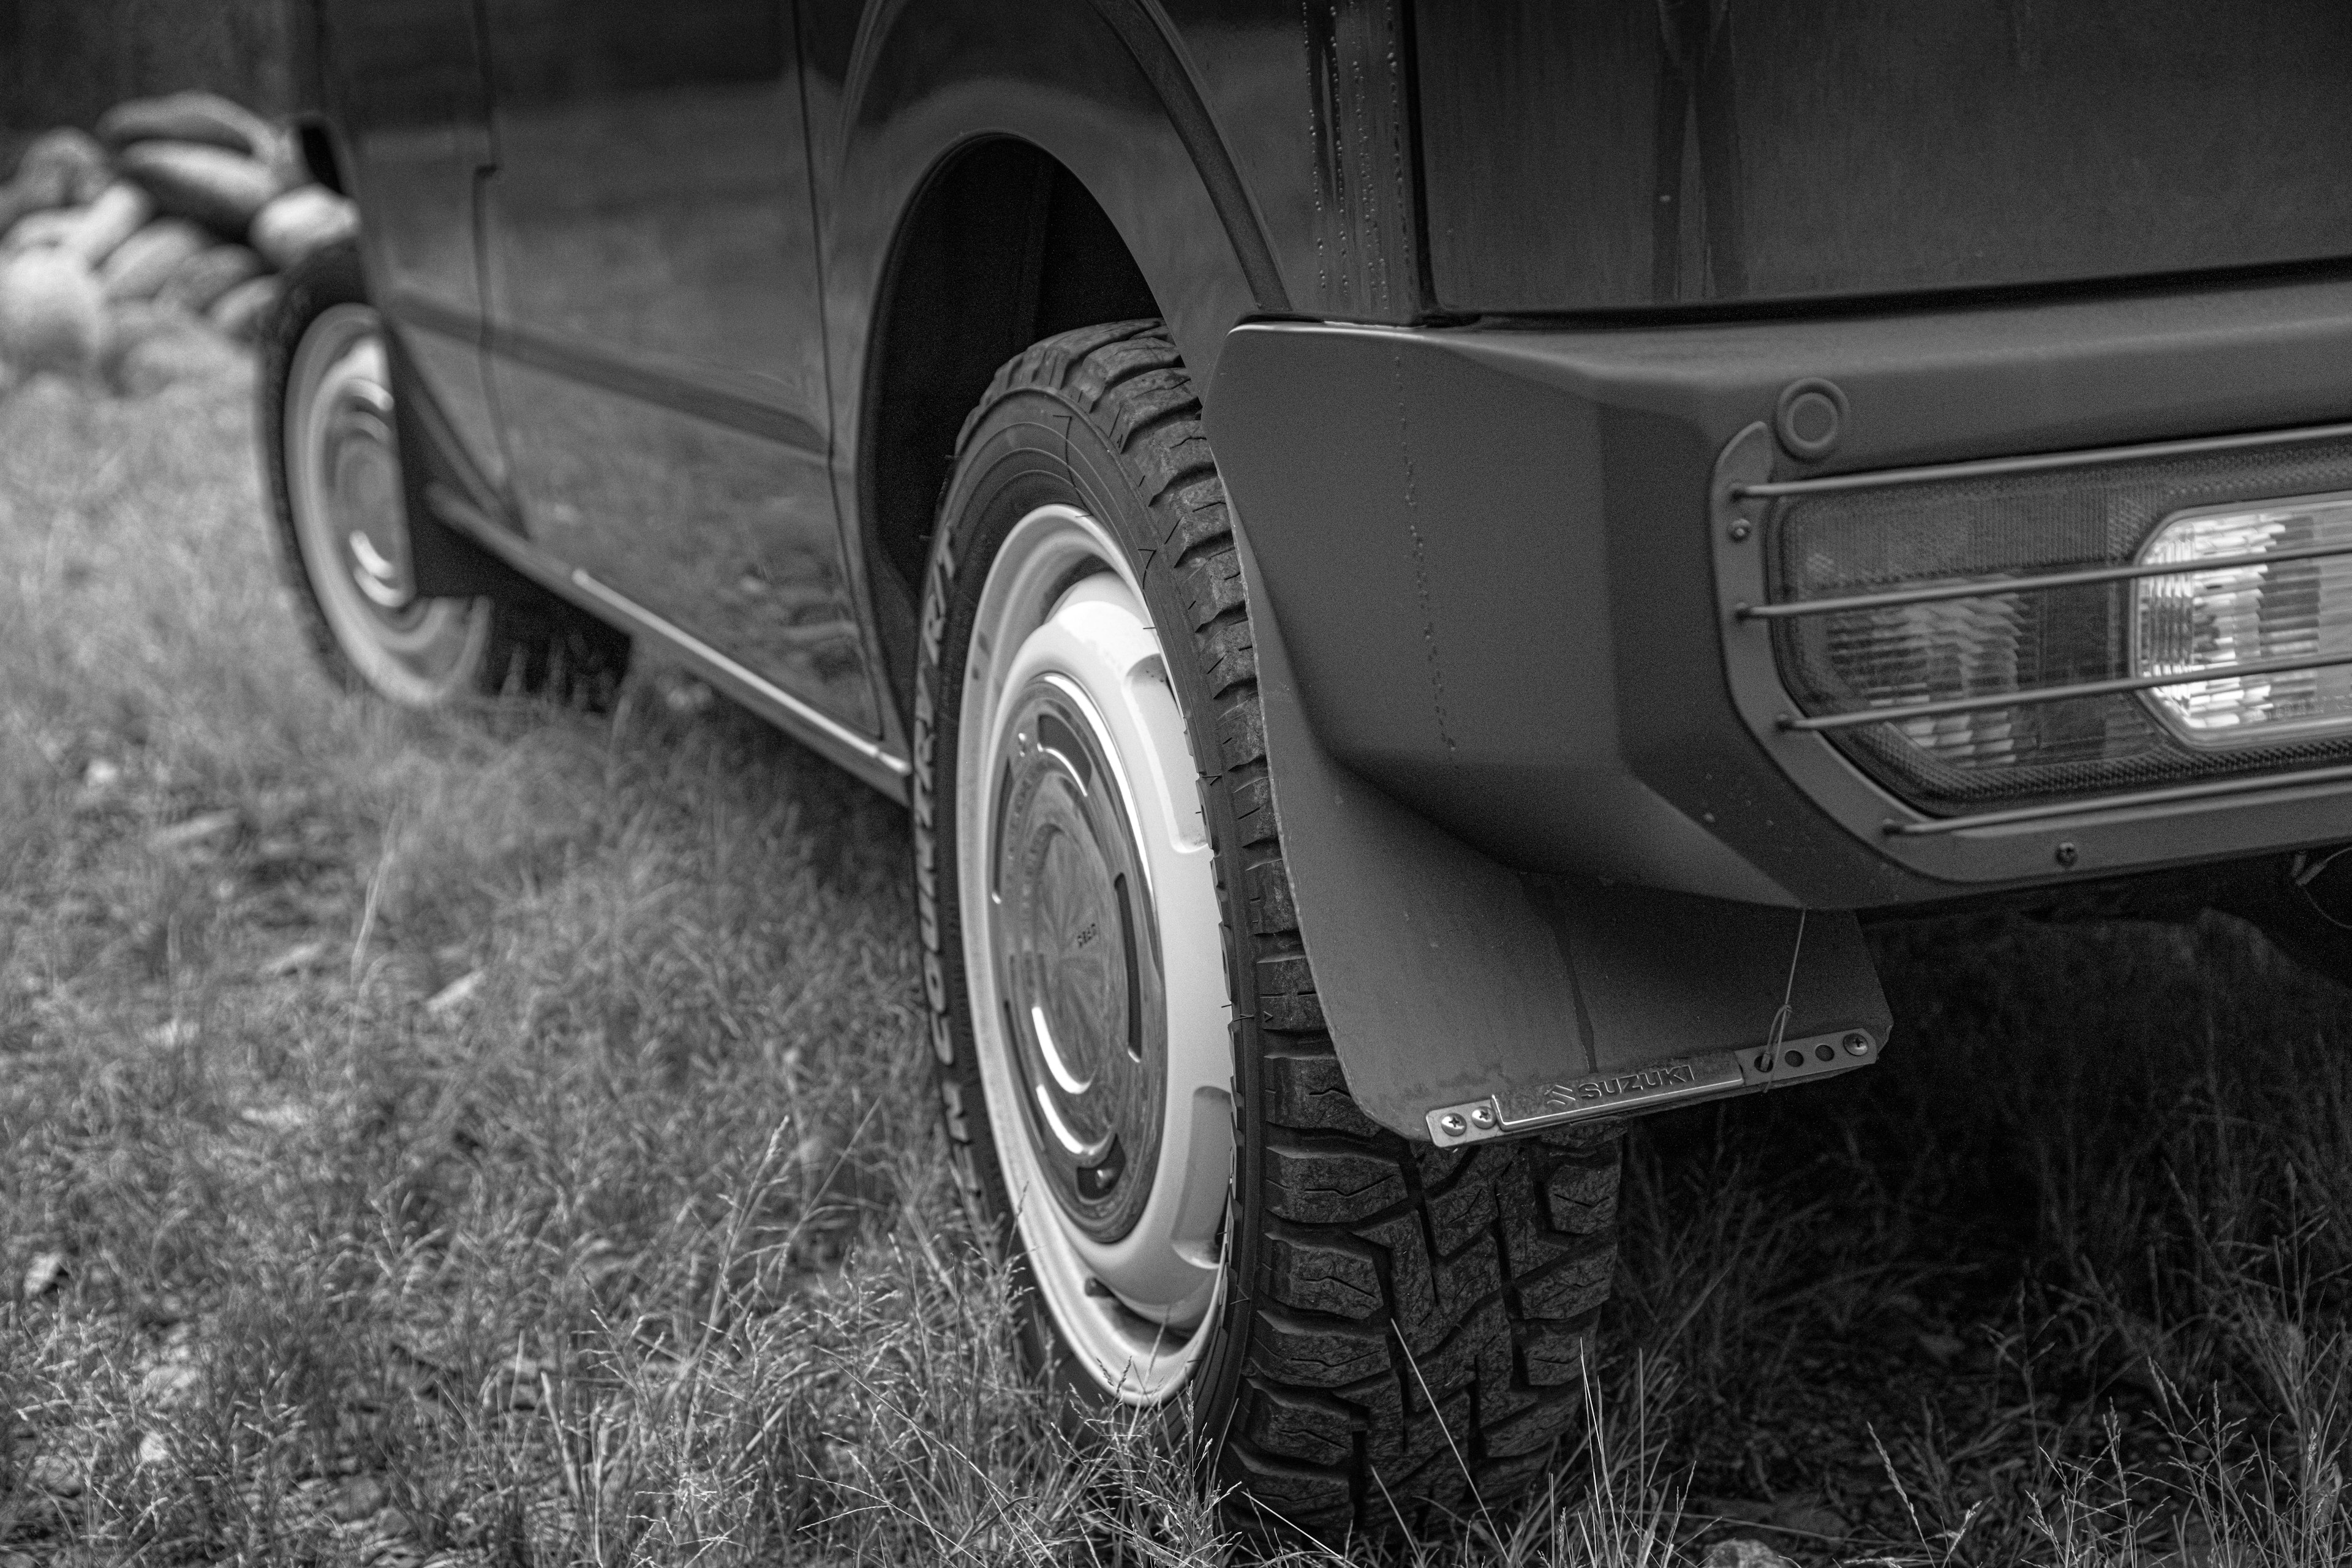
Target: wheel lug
{"type": "Point", "coordinates": [1097, 1180]}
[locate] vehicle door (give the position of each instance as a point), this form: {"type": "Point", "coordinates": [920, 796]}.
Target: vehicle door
{"type": "Point", "coordinates": [657, 333]}
{"type": "Point", "coordinates": [413, 101]}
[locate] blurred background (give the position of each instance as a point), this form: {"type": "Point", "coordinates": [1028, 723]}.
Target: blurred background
{"type": "Point", "coordinates": [63, 62]}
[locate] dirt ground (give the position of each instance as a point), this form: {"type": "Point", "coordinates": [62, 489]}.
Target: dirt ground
{"type": "Point", "coordinates": [504, 1138]}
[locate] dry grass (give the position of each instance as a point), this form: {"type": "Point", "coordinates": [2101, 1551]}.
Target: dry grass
{"type": "Point", "coordinates": [506, 1139]}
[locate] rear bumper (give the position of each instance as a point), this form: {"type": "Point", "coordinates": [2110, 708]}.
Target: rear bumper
{"type": "Point", "coordinates": [1498, 559]}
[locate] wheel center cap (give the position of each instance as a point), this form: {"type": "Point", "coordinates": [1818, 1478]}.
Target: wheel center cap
{"type": "Point", "coordinates": [1079, 964]}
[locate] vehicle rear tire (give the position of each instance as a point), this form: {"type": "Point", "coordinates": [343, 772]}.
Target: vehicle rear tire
{"type": "Point", "coordinates": [1355, 1332]}
{"type": "Point", "coordinates": [332, 461]}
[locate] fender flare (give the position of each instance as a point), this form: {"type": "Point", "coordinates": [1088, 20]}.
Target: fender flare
{"type": "Point", "coordinates": [1152, 38]}
{"type": "Point", "coordinates": [1115, 103]}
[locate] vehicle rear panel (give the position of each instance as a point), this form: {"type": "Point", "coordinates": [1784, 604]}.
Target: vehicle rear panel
{"type": "Point", "coordinates": [1643, 152]}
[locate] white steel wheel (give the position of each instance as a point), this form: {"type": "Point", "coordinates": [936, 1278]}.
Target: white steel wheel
{"type": "Point", "coordinates": [1094, 954]}
{"type": "Point", "coordinates": [351, 525]}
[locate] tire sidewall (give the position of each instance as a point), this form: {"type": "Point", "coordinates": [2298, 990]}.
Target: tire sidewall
{"type": "Point", "coordinates": [328, 277]}
{"type": "Point", "coordinates": [1024, 448]}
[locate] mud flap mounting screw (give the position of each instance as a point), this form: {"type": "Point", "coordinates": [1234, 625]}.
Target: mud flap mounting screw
{"type": "Point", "coordinates": [1857, 1043]}
{"type": "Point", "coordinates": [1739, 532]}
{"type": "Point", "coordinates": [1484, 1116]}
{"type": "Point", "coordinates": [2067, 854]}
{"type": "Point", "coordinates": [1453, 1125]}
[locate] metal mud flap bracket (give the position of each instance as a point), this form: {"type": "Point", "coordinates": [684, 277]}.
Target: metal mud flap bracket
{"type": "Point", "coordinates": [1660, 1086]}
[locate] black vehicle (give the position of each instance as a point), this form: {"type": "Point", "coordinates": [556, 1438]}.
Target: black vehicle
{"type": "Point", "coordinates": [1420, 567]}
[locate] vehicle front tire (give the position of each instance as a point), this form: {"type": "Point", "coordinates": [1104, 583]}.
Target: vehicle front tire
{"type": "Point", "coordinates": [1356, 1331]}
{"type": "Point", "coordinates": [332, 463]}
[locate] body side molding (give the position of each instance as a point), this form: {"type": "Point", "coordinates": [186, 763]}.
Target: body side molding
{"type": "Point", "coordinates": [859, 754]}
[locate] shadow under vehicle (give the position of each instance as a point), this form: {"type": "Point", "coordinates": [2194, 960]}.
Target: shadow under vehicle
{"type": "Point", "coordinates": [1421, 569]}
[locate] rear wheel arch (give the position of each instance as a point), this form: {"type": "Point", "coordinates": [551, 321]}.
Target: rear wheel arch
{"type": "Point", "coordinates": [1002, 245]}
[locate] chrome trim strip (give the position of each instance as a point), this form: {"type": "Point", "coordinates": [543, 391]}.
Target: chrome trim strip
{"type": "Point", "coordinates": [2038, 694]}
{"type": "Point", "coordinates": [2211, 789]}
{"type": "Point", "coordinates": [833, 729]}
{"type": "Point", "coordinates": [2040, 462]}
{"type": "Point", "coordinates": [1986, 587]}
{"type": "Point", "coordinates": [524, 557]}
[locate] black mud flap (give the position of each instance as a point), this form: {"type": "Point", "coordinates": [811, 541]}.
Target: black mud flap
{"type": "Point", "coordinates": [1469, 1001]}
{"type": "Point", "coordinates": [446, 564]}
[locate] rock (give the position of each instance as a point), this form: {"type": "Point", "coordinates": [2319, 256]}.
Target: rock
{"type": "Point", "coordinates": [239, 313]}
{"type": "Point", "coordinates": [43, 1273]}
{"type": "Point", "coordinates": [300, 222]}
{"type": "Point", "coordinates": [122, 210]}
{"type": "Point", "coordinates": [211, 186]}
{"type": "Point", "coordinates": [192, 353]}
{"type": "Point", "coordinates": [204, 277]}
{"type": "Point", "coordinates": [133, 322]}
{"type": "Point", "coordinates": [56, 1476]}
{"type": "Point", "coordinates": [41, 229]}
{"type": "Point", "coordinates": [62, 168]}
{"type": "Point", "coordinates": [281, 1118]}
{"type": "Point", "coordinates": [203, 118]}
{"type": "Point", "coordinates": [91, 232]}
{"type": "Point", "coordinates": [141, 264]}
{"type": "Point", "coordinates": [356, 1498]}
{"type": "Point", "coordinates": [169, 1384]}
{"type": "Point", "coordinates": [1744, 1554]}
{"type": "Point", "coordinates": [52, 314]}
{"type": "Point", "coordinates": [15, 206]}
{"type": "Point", "coordinates": [69, 162]}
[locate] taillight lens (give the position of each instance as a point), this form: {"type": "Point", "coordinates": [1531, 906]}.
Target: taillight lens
{"type": "Point", "coordinates": [1839, 544]}
{"type": "Point", "coordinates": [2257, 612]}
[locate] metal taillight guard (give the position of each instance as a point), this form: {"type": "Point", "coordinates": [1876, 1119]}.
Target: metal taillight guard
{"type": "Point", "coordinates": [1932, 686]}
{"type": "Point", "coordinates": [2223, 801]}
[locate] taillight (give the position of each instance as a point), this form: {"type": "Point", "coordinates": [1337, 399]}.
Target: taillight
{"type": "Point", "coordinates": [1997, 637]}
{"type": "Point", "coordinates": [2266, 601]}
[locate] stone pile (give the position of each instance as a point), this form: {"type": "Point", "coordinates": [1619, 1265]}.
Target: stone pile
{"type": "Point", "coordinates": [129, 255]}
